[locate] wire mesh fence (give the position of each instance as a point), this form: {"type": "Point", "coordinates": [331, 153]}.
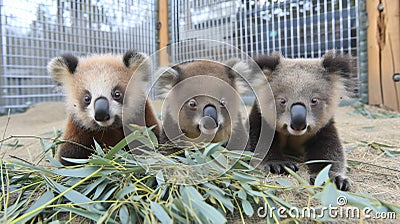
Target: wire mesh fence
{"type": "Point", "coordinates": [296, 28]}
{"type": "Point", "coordinates": [34, 31]}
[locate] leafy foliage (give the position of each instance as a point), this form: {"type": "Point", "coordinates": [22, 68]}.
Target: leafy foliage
{"type": "Point", "coordinates": [203, 184]}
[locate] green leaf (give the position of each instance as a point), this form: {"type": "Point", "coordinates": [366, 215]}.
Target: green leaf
{"type": "Point", "coordinates": [209, 212]}
{"type": "Point", "coordinates": [329, 195]}
{"type": "Point", "coordinates": [322, 176]}
{"type": "Point", "coordinates": [242, 194]}
{"type": "Point", "coordinates": [244, 177]}
{"type": "Point", "coordinates": [99, 161]}
{"type": "Point", "coordinates": [121, 144]}
{"type": "Point", "coordinates": [192, 193]}
{"type": "Point", "coordinates": [247, 208]}
{"type": "Point", "coordinates": [47, 196]}
{"type": "Point", "coordinates": [124, 215]}
{"type": "Point", "coordinates": [100, 189]}
{"type": "Point", "coordinates": [212, 148]}
{"type": "Point", "coordinates": [108, 193]}
{"type": "Point", "coordinates": [76, 161]}
{"type": "Point", "coordinates": [98, 148]}
{"type": "Point", "coordinates": [53, 161]}
{"type": "Point", "coordinates": [72, 195]}
{"type": "Point", "coordinates": [126, 190]}
{"type": "Point", "coordinates": [89, 188]}
{"type": "Point", "coordinates": [284, 182]}
{"type": "Point", "coordinates": [83, 212]}
{"type": "Point", "coordinates": [152, 136]}
{"type": "Point", "coordinates": [226, 201]}
{"type": "Point", "coordinates": [160, 213]}
{"type": "Point", "coordinates": [77, 172]}
{"type": "Point", "coordinates": [193, 198]}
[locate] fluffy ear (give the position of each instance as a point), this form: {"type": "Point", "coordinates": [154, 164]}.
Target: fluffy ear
{"type": "Point", "coordinates": [343, 66]}
{"type": "Point", "coordinates": [268, 63]}
{"type": "Point", "coordinates": [340, 64]}
{"type": "Point", "coordinates": [61, 68]}
{"type": "Point", "coordinates": [167, 77]}
{"type": "Point", "coordinates": [139, 64]}
{"type": "Point", "coordinates": [241, 72]}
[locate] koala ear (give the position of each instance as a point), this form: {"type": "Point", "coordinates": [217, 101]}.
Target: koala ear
{"type": "Point", "coordinates": [268, 63]}
{"type": "Point", "coordinates": [240, 72]}
{"type": "Point", "coordinates": [138, 64]}
{"type": "Point", "coordinates": [339, 64]}
{"type": "Point", "coordinates": [62, 68]}
{"type": "Point", "coordinates": [341, 69]}
{"type": "Point", "coordinates": [167, 77]}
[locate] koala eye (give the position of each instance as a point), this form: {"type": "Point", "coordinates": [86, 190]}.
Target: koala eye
{"type": "Point", "coordinates": [314, 101]}
{"type": "Point", "coordinates": [223, 102]}
{"type": "Point", "coordinates": [282, 101]}
{"type": "Point", "coordinates": [192, 103]}
{"type": "Point", "coordinates": [117, 95]}
{"type": "Point", "coordinates": [87, 98]}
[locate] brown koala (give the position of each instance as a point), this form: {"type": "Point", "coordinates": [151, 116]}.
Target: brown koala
{"type": "Point", "coordinates": [203, 102]}
{"type": "Point", "coordinates": [306, 93]}
{"type": "Point", "coordinates": [97, 95]}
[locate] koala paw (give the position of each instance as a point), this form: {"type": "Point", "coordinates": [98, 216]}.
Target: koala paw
{"type": "Point", "coordinates": [342, 183]}
{"type": "Point", "coordinates": [277, 167]}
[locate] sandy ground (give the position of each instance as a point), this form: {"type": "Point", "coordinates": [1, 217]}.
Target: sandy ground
{"type": "Point", "coordinates": [377, 174]}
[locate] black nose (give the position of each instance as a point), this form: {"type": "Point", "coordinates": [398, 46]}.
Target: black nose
{"type": "Point", "coordinates": [210, 115]}
{"type": "Point", "coordinates": [298, 117]}
{"type": "Point", "coordinates": [101, 109]}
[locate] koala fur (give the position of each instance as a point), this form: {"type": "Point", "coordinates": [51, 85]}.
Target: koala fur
{"type": "Point", "coordinates": [203, 102]}
{"type": "Point", "coordinates": [306, 93]}
{"type": "Point", "coordinates": [97, 96]}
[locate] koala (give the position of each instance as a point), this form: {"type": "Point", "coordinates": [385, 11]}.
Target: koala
{"type": "Point", "coordinates": [203, 102]}
{"type": "Point", "coordinates": [97, 95]}
{"type": "Point", "coordinates": [306, 93]}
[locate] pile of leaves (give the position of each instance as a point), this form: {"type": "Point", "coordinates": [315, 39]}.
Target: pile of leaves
{"type": "Point", "coordinates": [201, 184]}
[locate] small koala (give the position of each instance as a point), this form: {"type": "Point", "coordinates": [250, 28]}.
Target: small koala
{"type": "Point", "coordinates": [306, 93]}
{"type": "Point", "coordinates": [97, 95]}
{"type": "Point", "coordinates": [203, 102]}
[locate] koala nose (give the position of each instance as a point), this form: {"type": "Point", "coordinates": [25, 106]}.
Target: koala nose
{"type": "Point", "coordinates": [210, 117]}
{"type": "Point", "coordinates": [101, 109]}
{"type": "Point", "coordinates": [298, 117]}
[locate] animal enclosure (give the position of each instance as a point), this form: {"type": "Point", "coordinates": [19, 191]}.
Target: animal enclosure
{"type": "Point", "coordinates": [33, 31]}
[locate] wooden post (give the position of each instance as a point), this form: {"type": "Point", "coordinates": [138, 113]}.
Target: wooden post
{"type": "Point", "coordinates": [163, 31]}
{"type": "Point", "coordinates": [383, 52]}
{"type": "Point", "coordinates": [374, 83]}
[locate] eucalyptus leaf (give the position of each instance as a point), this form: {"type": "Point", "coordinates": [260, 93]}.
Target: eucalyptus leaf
{"type": "Point", "coordinates": [47, 196]}
{"type": "Point", "coordinates": [329, 195]}
{"type": "Point", "coordinates": [322, 176]}
{"type": "Point", "coordinates": [124, 215]}
{"type": "Point", "coordinates": [77, 172]}
{"type": "Point", "coordinates": [72, 195]}
{"type": "Point", "coordinates": [247, 208]}
{"type": "Point", "coordinates": [284, 182]}
{"type": "Point", "coordinates": [160, 213]}
{"type": "Point", "coordinates": [98, 148]}
{"type": "Point", "coordinates": [125, 191]}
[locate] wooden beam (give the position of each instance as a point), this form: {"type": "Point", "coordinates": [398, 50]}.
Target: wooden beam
{"type": "Point", "coordinates": [374, 80]}
{"type": "Point", "coordinates": [390, 53]}
{"type": "Point", "coordinates": [163, 31]}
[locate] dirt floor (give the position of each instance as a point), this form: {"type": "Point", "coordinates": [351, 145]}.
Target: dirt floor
{"type": "Point", "coordinates": [370, 169]}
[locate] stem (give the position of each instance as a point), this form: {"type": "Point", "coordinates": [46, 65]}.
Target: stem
{"type": "Point", "coordinates": [21, 218]}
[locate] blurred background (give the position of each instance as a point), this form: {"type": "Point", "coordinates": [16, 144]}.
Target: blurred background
{"type": "Point", "coordinates": [34, 31]}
